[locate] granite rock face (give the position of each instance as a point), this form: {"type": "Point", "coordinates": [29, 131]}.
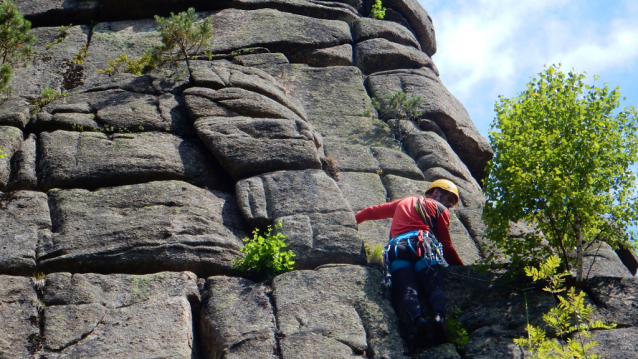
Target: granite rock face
{"type": "Point", "coordinates": [165, 225]}
{"type": "Point", "coordinates": [316, 217]}
{"type": "Point", "coordinates": [25, 220]}
{"type": "Point", "coordinates": [93, 315]}
{"type": "Point", "coordinates": [20, 333]}
{"type": "Point", "coordinates": [125, 199]}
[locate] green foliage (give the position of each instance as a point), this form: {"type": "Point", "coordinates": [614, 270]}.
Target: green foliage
{"type": "Point", "coordinates": [455, 331]}
{"type": "Point", "coordinates": [377, 11]}
{"type": "Point", "coordinates": [398, 106]}
{"type": "Point", "coordinates": [182, 36]}
{"type": "Point", "coordinates": [124, 64]}
{"type": "Point", "coordinates": [264, 255]}
{"type": "Point", "coordinates": [561, 163]}
{"type": "Point", "coordinates": [15, 40]}
{"type": "Point", "coordinates": [5, 76]}
{"type": "Point", "coordinates": [374, 253]}
{"type": "Point", "coordinates": [49, 94]}
{"type": "Point", "coordinates": [79, 58]}
{"type": "Point", "coordinates": [64, 31]}
{"type": "Point", "coordinates": [570, 319]}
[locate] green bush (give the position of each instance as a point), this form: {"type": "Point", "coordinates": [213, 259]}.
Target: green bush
{"type": "Point", "coordinates": [47, 94]}
{"type": "Point", "coordinates": [401, 108]}
{"type": "Point", "coordinates": [264, 255]}
{"type": "Point", "coordinates": [127, 65]}
{"type": "Point", "coordinates": [15, 41]}
{"type": "Point", "coordinates": [377, 11]}
{"type": "Point", "coordinates": [374, 253]}
{"type": "Point", "coordinates": [570, 319]}
{"type": "Point", "coordinates": [398, 106]}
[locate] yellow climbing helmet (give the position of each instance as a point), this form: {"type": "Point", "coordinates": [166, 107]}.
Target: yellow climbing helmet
{"type": "Point", "coordinates": [445, 185]}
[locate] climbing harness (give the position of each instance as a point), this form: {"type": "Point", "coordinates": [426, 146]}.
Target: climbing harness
{"type": "Point", "coordinates": [422, 243]}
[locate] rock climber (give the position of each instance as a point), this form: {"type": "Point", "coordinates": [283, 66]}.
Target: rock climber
{"type": "Point", "coordinates": [419, 247]}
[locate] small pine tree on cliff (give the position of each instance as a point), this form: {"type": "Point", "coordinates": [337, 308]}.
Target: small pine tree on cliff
{"type": "Point", "coordinates": [15, 40]}
{"type": "Point", "coordinates": [182, 36]}
{"type": "Point", "coordinates": [562, 157]}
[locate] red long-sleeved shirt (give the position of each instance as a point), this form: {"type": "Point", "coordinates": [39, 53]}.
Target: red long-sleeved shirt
{"type": "Point", "coordinates": [405, 218]}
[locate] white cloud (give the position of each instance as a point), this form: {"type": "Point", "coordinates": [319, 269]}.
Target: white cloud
{"type": "Point", "coordinates": [492, 47]}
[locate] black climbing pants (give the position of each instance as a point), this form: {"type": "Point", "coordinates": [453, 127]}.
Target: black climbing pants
{"type": "Point", "coordinates": [407, 283]}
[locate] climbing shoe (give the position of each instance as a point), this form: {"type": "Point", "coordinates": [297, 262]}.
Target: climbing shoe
{"type": "Point", "coordinates": [421, 331]}
{"type": "Point", "coordinates": [439, 335]}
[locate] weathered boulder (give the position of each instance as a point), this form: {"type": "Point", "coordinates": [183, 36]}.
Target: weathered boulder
{"type": "Point", "coordinates": [616, 343]}
{"type": "Point", "coordinates": [142, 228]}
{"type": "Point", "coordinates": [439, 105]}
{"type": "Point", "coordinates": [56, 12]}
{"type": "Point", "coordinates": [24, 217]}
{"type": "Point", "coordinates": [315, 215]}
{"type": "Point", "coordinates": [367, 28]}
{"type": "Point", "coordinates": [273, 137]}
{"type": "Point", "coordinates": [221, 74]}
{"type": "Point", "coordinates": [94, 316]}
{"type": "Point", "coordinates": [430, 150]}
{"type": "Point", "coordinates": [629, 259]}
{"type": "Point", "coordinates": [379, 160]}
{"type": "Point", "coordinates": [399, 187]}
{"type": "Point", "coordinates": [351, 158]}
{"type": "Point", "coordinates": [362, 190]}
{"type": "Point", "coordinates": [20, 331]}
{"type": "Point", "coordinates": [264, 60]}
{"type": "Point", "coordinates": [115, 110]}
{"type": "Point", "coordinates": [111, 39]}
{"type": "Point", "coordinates": [335, 101]}
{"type": "Point", "coordinates": [23, 174]}
{"type": "Point", "coordinates": [337, 10]}
{"type": "Point", "coordinates": [339, 311]}
{"type": "Point", "coordinates": [11, 139]}
{"type": "Point", "coordinates": [251, 146]}
{"type": "Point", "coordinates": [615, 299]}
{"type": "Point", "coordinates": [393, 162]}
{"type": "Point", "coordinates": [230, 102]}
{"type": "Point", "coordinates": [332, 56]}
{"type": "Point", "coordinates": [419, 21]}
{"type": "Point", "coordinates": [52, 66]}
{"type": "Point", "coordinates": [601, 260]}
{"type": "Point", "coordinates": [380, 55]}
{"type": "Point", "coordinates": [93, 159]}
{"type": "Point", "coordinates": [493, 342]}
{"type": "Point", "coordinates": [237, 319]}
{"type": "Point", "coordinates": [14, 111]}
{"type": "Point", "coordinates": [276, 30]}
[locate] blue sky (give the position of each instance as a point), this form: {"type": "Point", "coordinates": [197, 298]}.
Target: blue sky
{"type": "Point", "coordinates": [488, 48]}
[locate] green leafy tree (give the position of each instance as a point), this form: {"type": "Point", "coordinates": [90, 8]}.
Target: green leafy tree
{"type": "Point", "coordinates": [15, 40]}
{"type": "Point", "coordinates": [183, 36]}
{"type": "Point", "coordinates": [561, 162]}
{"type": "Point", "coordinates": [264, 255]}
{"type": "Point", "coordinates": [569, 319]}
{"type": "Point", "coordinates": [377, 11]}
